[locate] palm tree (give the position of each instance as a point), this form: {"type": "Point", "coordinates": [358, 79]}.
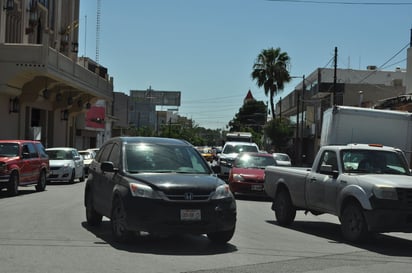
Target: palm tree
{"type": "Point", "coordinates": [270, 71]}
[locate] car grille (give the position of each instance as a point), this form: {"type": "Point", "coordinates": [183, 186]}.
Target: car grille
{"type": "Point", "coordinates": [405, 198]}
{"type": "Point", "coordinates": [188, 197]}
{"type": "Point", "coordinates": [55, 168]}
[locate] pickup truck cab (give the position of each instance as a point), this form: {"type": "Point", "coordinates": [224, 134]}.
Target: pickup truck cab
{"type": "Point", "coordinates": [369, 187]}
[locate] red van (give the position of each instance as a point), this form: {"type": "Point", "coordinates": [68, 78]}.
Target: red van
{"type": "Point", "coordinates": [23, 163]}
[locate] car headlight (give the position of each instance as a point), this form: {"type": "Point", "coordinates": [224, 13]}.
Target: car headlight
{"type": "Point", "coordinates": [142, 190]}
{"type": "Point", "coordinates": [238, 177]}
{"type": "Point", "coordinates": [385, 193]}
{"type": "Point", "coordinates": [221, 192]}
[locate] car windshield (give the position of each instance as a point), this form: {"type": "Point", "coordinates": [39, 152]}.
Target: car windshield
{"type": "Point", "coordinates": [239, 149]}
{"type": "Point", "coordinates": [367, 161]}
{"type": "Point", "coordinates": [59, 154]}
{"type": "Point", "coordinates": [254, 161]}
{"type": "Point", "coordinates": [282, 157]}
{"type": "Point", "coordinates": [164, 159]}
{"type": "Point", "coordinates": [86, 155]}
{"type": "Point", "coordinates": [9, 149]}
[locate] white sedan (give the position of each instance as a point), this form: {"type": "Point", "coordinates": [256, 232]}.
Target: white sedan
{"type": "Point", "coordinates": [66, 164]}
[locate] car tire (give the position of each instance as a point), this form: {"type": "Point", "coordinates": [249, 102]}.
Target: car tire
{"type": "Point", "coordinates": [285, 212]}
{"type": "Point", "coordinates": [73, 177]}
{"type": "Point", "coordinates": [118, 222]}
{"type": "Point", "coordinates": [353, 224]}
{"type": "Point", "coordinates": [41, 184]}
{"type": "Point", "coordinates": [81, 179]}
{"type": "Point", "coordinates": [93, 218]}
{"type": "Point", "coordinates": [221, 237]}
{"type": "Point", "coordinates": [13, 184]}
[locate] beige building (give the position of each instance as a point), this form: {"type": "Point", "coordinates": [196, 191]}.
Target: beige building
{"type": "Point", "coordinates": [46, 91]}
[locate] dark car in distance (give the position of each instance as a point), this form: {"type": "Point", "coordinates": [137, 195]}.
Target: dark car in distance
{"type": "Point", "coordinates": [158, 186]}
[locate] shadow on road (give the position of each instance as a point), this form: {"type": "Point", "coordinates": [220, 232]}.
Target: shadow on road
{"type": "Point", "coordinates": [22, 192]}
{"type": "Point", "coordinates": [379, 243]}
{"type": "Point", "coordinates": [170, 245]}
{"type": "Point", "coordinates": [253, 198]}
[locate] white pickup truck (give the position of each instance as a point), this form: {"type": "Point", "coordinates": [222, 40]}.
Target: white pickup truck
{"type": "Point", "coordinates": [369, 187]}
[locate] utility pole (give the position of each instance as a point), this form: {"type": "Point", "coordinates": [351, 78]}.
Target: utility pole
{"type": "Point", "coordinates": [303, 110]}
{"type": "Point", "coordinates": [335, 65]}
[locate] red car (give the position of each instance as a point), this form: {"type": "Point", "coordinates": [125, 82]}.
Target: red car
{"type": "Point", "coordinates": [248, 173]}
{"type": "Point", "coordinates": [22, 163]}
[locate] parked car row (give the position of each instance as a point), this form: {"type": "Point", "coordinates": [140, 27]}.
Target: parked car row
{"type": "Point", "coordinates": [27, 162]}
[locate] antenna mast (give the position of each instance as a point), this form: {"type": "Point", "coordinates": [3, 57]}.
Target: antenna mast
{"type": "Point", "coordinates": [98, 29]}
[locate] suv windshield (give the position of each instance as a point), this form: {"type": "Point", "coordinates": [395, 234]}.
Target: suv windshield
{"type": "Point", "coordinates": [163, 159]}
{"type": "Point", "coordinates": [9, 149]}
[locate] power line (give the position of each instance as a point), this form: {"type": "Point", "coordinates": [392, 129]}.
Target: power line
{"type": "Point", "coordinates": [390, 59]}
{"type": "Point", "coordinates": [345, 2]}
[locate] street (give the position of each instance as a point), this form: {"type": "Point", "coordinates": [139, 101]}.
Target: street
{"type": "Point", "coordinates": [47, 232]}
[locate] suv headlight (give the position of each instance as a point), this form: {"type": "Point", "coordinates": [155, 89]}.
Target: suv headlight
{"type": "Point", "coordinates": [385, 193]}
{"type": "Point", "coordinates": [221, 192]}
{"type": "Point", "coordinates": [142, 190]}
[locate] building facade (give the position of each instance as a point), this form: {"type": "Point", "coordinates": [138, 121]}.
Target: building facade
{"type": "Point", "coordinates": [45, 89]}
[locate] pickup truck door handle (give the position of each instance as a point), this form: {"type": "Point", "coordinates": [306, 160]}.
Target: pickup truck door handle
{"type": "Point", "coordinates": [313, 180]}
{"type": "Point", "coordinates": [343, 182]}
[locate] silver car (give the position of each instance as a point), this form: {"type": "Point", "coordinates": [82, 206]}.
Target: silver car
{"type": "Point", "coordinates": [66, 164]}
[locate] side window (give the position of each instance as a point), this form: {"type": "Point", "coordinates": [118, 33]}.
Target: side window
{"type": "Point", "coordinates": [115, 156]}
{"type": "Point", "coordinates": [41, 150]}
{"type": "Point", "coordinates": [30, 149]}
{"type": "Point", "coordinates": [104, 153]}
{"type": "Point", "coordinates": [329, 159]}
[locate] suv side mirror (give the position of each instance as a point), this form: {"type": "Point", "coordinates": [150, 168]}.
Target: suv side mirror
{"type": "Point", "coordinates": [107, 166]}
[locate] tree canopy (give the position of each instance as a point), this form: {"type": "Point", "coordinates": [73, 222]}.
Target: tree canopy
{"type": "Point", "coordinates": [270, 71]}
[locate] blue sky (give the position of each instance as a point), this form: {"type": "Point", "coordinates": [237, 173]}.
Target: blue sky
{"type": "Point", "coordinates": [206, 49]}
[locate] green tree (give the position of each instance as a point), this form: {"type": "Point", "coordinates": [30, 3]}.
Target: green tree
{"type": "Point", "coordinates": [280, 132]}
{"type": "Point", "coordinates": [251, 116]}
{"type": "Point", "coordinates": [270, 70]}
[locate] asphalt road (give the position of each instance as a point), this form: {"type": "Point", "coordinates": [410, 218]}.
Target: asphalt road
{"type": "Point", "coordinates": [46, 232]}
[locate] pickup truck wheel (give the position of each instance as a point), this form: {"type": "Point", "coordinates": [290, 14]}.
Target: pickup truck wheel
{"type": "Point", "coordinates": [221, 237]}
{"type": "Point", "coordinates": [284, 210]}
{"type": "Point", "coordinates": [13, 185]}
{"type": "Point", "coordinates": [118, 222]}
{"type": "Point", "coordinates": [41, 184]}
{"type": "Point", "coordinates": [353, 224]}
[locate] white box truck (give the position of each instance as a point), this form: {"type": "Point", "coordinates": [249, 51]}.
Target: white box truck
{"type": "Point", "coordinates": [342, 125]}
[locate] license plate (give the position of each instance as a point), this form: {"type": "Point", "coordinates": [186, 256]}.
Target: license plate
{"type": "Point", "coordinates": [257, 187]}
{"type": "Point", "coordinates": [190, 215]}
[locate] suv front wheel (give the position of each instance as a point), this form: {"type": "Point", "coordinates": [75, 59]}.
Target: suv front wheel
{"type": "Point", "coordinates": [13, 186]}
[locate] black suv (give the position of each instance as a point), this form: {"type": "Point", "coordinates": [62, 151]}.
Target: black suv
{"type": "Point", "coordinates": [159, 186]}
